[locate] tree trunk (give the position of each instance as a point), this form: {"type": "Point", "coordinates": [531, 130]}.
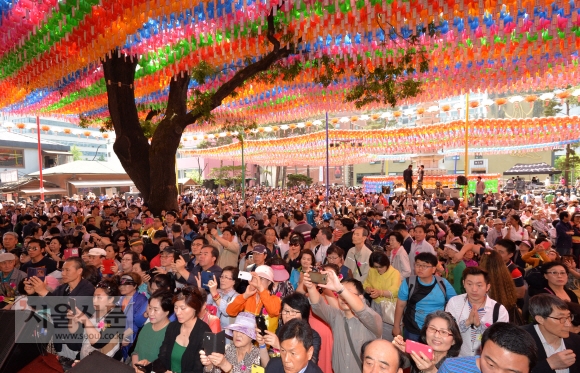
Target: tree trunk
{"type": "Point", "coordinates": [567, 164]}
{"type": "Point", "coordinates": [284, 176]}
{"type": "Point", "coordinates": [152, 167]}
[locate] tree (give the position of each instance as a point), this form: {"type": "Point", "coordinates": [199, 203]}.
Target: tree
{"type": "Point", "coordinates": [195, 176]}
{"type": "Point", "coordinates": [146, 149]}
{"type": "Point", "coordinates": [298, 179]}
{"type": "Point", "coordinates": [570, 163]}
{"type": "Point", "coordinates": [76, 153]}
{"type": "Point", "coordinates": [225, 175]}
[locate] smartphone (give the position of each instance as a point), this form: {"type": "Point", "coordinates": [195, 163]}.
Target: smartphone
{"type": "Point", "coordinates": [93, 231]}
{"type": "Point", "coordinates": [144, 368]}
{"type": "Point", "coordinates": [318, 278]}
{"type": "Point", "coordinates": [245, 275]}
{"type": "Point", "coordinates": [73, 305]}
{"type": "Point", "coordinates": [214, 342]}
{"type": "Point", "coordinates": [257, 369]}
{"type": "Point", "coordinates": [417, 347]}
{"type": "Point", "coordinates": [186, 256]}
{"type": "Point", "coordinates": [261, 324]}
{"type": "Point", "coordinates": [205, 277]}
{"type": "Point", "coordinates": [38, 272]}
{"type": "Point", "coordinates": [107, 264]}
{"type": "Point", "coordinates": [79, 228]}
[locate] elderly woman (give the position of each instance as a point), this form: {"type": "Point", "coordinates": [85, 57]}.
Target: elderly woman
{"type": "Point", "coordinates": [134, 305]}
{"type": "Point", "coordinates": [241, 353]}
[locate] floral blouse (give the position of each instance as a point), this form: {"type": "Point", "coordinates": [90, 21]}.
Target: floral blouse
{"type": "Point", "coordinates": [244, 366]}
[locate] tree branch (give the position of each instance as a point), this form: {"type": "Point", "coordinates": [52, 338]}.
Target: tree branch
{"type": "Point", "coordinates": [152, 114]}
{"type": "Point", "coordinates": [272, 30]}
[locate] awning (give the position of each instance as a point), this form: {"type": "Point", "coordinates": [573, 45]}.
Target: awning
{"type": "Point", "coordinates": [532, 169]}
{"type": "Point", "coordinates": [46, 191]}
{"type": "Point", "coordinates": [101, 183]}
{"type": "Point", "coordinates": [56, 152]}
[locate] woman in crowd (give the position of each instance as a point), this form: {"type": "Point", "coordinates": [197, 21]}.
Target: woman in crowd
{"type": "Point", "coordinates": [441, 333]}
{"type": "Point", "coordinates": [206, 316]}
{"type": "Point", "coordinates": [162, 282]}
{"type": "Point", "coordinates": [179, 352]}
{"type": "Point", "coordinates": [502, 288]}
{"type": "Point", "coordinates": [307, 262]}
{"type": "Point", "coordinates": [55, 250]}
{"type": "Point", "coordinates": [294, 306]}
{"type": "Point", "coordinates": [151, 336]}
{"type": "Point", "coordinates": [282, 286]}
{"type": "Point", "coordinates": [514, 230]}
{"type": "Point", "coordinates": [103, 330]}
{"type": "Point", "coordinates": [241, 353]}
{"type": "Point", "coordinates": [382, 284]}
{"type": "Point", "coordinates": [556, 275]}
{"type": "Point", "coordinates": [535, 257]}
{"type": "Point", "coordinates": [112, 251]}
{"type": "Point", "coordinates": [122, 240]}
{"type": "Point", "coordinates": [398, 257]}
{"type": "Point", "coordinates": [220, 298]}
{"type": "Point", "coordinates": [129, 259]}
{"type": "Point", "coordinates": [134, 305]}
{"type": "Point", "coordinates": [292, 255]}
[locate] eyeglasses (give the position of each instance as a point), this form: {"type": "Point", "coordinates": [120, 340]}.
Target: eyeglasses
{"type": "Point", "coordinates": [294, 244]}
{"type": "Point", "coordinates": [563, 319]}
{"type": "Point", "coordinates": [442, 332]}
{"type": "Point", "coordinates": [423, 266]}
{"type": "Point", "coordinates": [122, 240]}
{"type": "Point", "coordinates": [226, 278]}
{"type": "Point", "coordinates": [33, 248]}
{"type": "Point", "coordinates": [563, 273]}
{"type": "Point", "coordinates": [290, 312]}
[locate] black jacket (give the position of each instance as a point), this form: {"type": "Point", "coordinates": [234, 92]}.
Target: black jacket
{"type": "Point", "coordinates": [571, 343]}
{"type": "Point", "coordinates": [190, 362]}
{"type": "Point", "coordinates": [275, 366]}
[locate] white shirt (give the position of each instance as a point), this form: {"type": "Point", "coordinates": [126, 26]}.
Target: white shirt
{"type": "Point", "coordinates": [320, 252]}
{"type": "Point", "coordinates": [459, 307]}
{"type": "Point", "coordinates": [362, 258]}
{"type": "Point", "coordinates": [551, 350]}
{"type": "Point", "coordinates": [519, 235]}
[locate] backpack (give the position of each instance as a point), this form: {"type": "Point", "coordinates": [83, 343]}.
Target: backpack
{"type": "Point", "coordinates": [412, 280]}
{"type": "Point", "coordinates": [535, 278]}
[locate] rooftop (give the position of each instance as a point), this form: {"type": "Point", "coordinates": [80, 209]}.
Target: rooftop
{"type": "Point", "coordinates": [84, 168]}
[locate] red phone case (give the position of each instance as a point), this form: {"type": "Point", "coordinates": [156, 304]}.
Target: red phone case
{"type": "Point", "coordinates": [411, 346]}
{"type": "Point", "coordinates": [68, 253]}
{"type": "Point", "coordinates": [108, 263]}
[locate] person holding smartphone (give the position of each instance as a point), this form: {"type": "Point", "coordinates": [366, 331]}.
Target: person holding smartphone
{"type": "Point", "coordinates": [441, 333]}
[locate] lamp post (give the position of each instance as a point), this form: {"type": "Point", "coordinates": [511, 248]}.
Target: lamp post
{"type": "Point", "coordinates": [466, 186]}
{"type": "Point", "coordinates": [40, 157]}
{"type": "Point", "coordinates": [327, 164]}
{"type": "Point", "coordinates": [241, 138]}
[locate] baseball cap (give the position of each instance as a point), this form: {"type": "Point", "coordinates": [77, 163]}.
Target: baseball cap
{"type": "Point", "coordinates": [260, 249]}
{"type": "Point", "coordinates": [136, 221]}
{"type": "Point", "coordinates": [135, 241]}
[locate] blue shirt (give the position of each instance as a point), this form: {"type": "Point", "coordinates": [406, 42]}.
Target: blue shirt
{"type": "Point", "coordinates": [466, 364]}
{"type": "Point", "coordinates": [433, 301]}
{"type": "Point", "coordinates": [310, 217]}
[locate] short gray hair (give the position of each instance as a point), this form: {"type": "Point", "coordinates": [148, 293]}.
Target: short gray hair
{"type": "Point", "coordinates": [11, 234]}
{"type": "Point", "coordinates": [543, 304]}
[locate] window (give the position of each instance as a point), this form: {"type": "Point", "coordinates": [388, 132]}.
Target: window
{"type": "Point", "coordinates": [11, 157]}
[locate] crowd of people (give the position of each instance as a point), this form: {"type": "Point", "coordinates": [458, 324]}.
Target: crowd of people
{"type": "Point", "coordinates": [357, 282]}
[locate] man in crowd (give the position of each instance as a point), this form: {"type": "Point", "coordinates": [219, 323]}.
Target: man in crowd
{"type": "Point", "coordinates": [206, 261]}
{"type": "Point", "coordinates": [9, 241]}
{"type": "Point", "coordinates": [419, 296]}
{"type": "Point", "coordinates": [505, 348]}
{"type": "Point", "coordinates": [558, 349]}
{"type": "Point", "coordinates": [324, 237]}
{"type": "Point", "coordinates": [564, 233]}
{"type": "Point", "coordinates": [352, 324]}
{"type": "Point", "coordinates": [408, 178]}
{"type": "Point", "coordinates": [380, 356]}
{"type": "Point", "coordinates": [507, 250]}
{"type": "Point", "coordinates": [419, 246]}
{"type": "Point", "coordinates": [36, 249]}
{"type": "Point", "coordinates": [345, 226]}
{"type": "Point", "coordinates": [301, 225]}
{"type": "Point", "coordinates": [10, 274]}
{"type": "Point", "coordinates": [496, 233]}
{"type": "Point", "coordinates": [229, 249]}
{"type": "Point", "coordinates": [357, 259]}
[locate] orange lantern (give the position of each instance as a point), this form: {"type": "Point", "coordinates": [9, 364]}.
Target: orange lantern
{"type": "Point", "coordinates": [445, 108]}
{"type": "Point", "coordinates": [531, 98]}
{"type": "Point", "coordinates": [563, 95]}
{"type": "Point", "coordinates": [500, 101]}
{"type": "Point", "coordinates": [353, 119]}
{"type": "Point", "coordinates": [420, 110]}
{"type": "Point", "coordinates": [261, 129]}
{"type": "Point", "coordinates": [334, 120]}
{"type": "Point", "coordinates": [397, 114]}
{"type": "Point", "coordinates": [308, 124]}
{"type": "Point", "coordinates": [45, 128]}
{"type": "Point", "coordinates": [194, 138]}
{"type": "Point", "coordinates": [87, 133]}
{"type": "Point", "coordinates": [292, 126]}
{"type": "Point", "coordinates": [375, 116]}
{"type": "Point", "coordinates": [474, 104]}
{"type": "Point", "coordinates": [105, 135]}
{"type": "Point", "coordinates": [275, 128]}
{"type": "Point", "coordinates": [184, 139]}
{"type": "Point", "coordinates": [67, 131]}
